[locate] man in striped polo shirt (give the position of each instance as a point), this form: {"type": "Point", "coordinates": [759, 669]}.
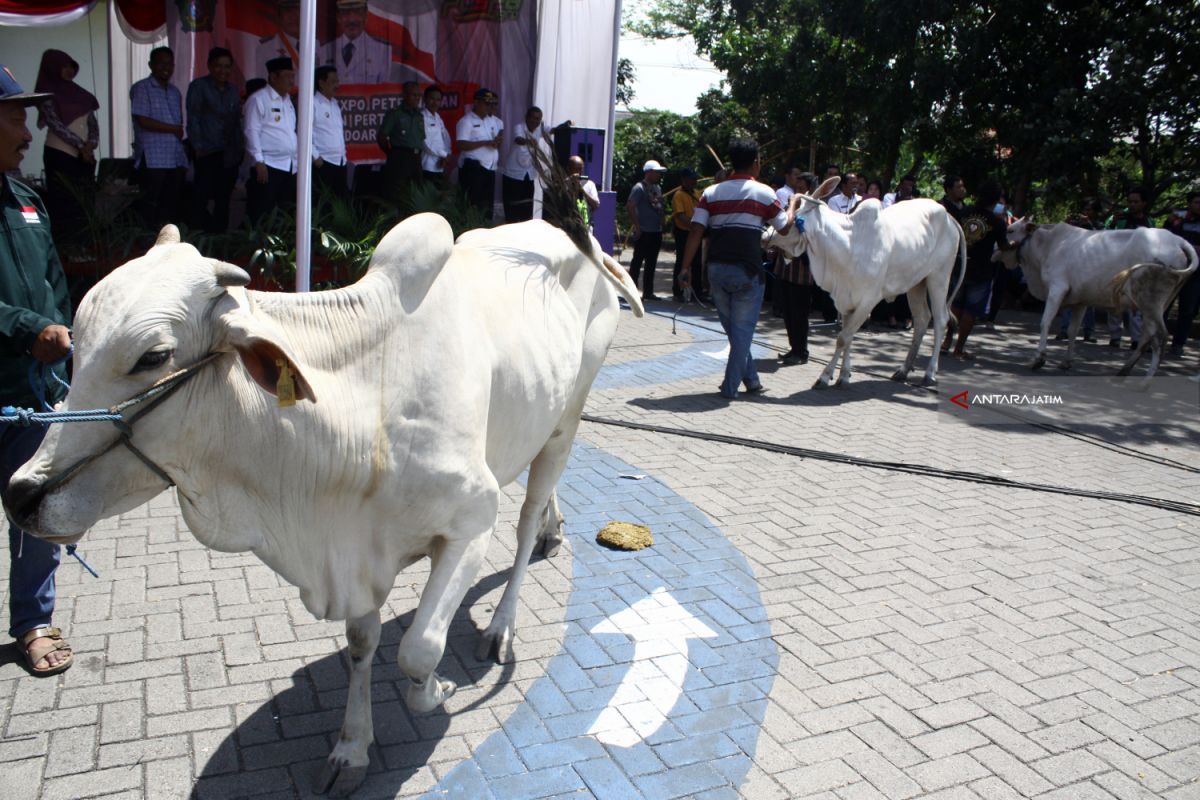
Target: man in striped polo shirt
{"type": "Point", "coordinates": [734, 212]}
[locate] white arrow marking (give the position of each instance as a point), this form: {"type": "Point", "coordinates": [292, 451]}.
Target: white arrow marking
{"type": "Point", "coordinates": [660, 629]}
{"type": "Point", "coordinates": [719, 355]}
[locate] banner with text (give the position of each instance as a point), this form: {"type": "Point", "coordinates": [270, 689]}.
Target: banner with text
{"type": "Point", "coordinates": [377, 45]}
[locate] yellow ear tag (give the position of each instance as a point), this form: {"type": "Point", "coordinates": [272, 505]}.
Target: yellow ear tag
{"type": "Point", "coordinates": [285, 387]}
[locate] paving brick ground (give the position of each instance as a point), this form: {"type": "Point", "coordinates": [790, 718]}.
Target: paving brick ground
{"type": "Point", "coordinates": [838, 632]}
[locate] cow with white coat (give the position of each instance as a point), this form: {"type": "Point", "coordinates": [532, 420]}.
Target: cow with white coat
{"type": "Point", "coordinates": [1072, 267]}
{"type": "Point", "coordinates": [876, 254]}
{"type": "Point", "coordinates": [345, 435]}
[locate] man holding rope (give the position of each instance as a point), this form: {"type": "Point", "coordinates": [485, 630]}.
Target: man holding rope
{"type": "Point", "coordinates": [35, 309]}
{"type": "Point", "coordinates": [734, 212]}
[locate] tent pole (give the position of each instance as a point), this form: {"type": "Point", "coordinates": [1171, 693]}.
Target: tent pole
{"type": "Point", "coordinates": [304, 125]}
{"type": "Point", "coordinates": [610, 134]}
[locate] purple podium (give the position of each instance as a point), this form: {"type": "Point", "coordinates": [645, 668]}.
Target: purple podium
{"type": "Point", "coordinates": [604, 221]}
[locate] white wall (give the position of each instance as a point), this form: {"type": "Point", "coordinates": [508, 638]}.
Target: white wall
{"type": "Point", "coordinates": [86, 41]}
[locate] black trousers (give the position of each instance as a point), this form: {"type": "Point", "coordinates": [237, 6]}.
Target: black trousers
{"type": "Point", "coordinates": [1189, 303]}
{"type": "Point", "coordinates": [212, 187]}
{"type": "Point", "coordinates": [518, 199]}
{"type": "Point", "coordinates": [332, 178]}
{"type": "Point", "coordinates": [436, 178]}
{"type": "Point", "coordinates": [478, 185]}
{"type": "Point", "coordinates": [70, 183]}
{"type": "Point", "coordinates": [402, 168]}
{"type": "Point", "coordinates": [796, 302]}
{"type": "Point", "coordinates": [645, 253]}
{"type": "Point", "coordinates": [161, 189]}
{"type": "Point", "coordinates": [696, 271]}
{"type": "Point", "coordinates": [277, 192]}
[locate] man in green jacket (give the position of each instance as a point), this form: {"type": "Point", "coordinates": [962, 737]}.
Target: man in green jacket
{"type": "Point", "coordinates": [35, 310]}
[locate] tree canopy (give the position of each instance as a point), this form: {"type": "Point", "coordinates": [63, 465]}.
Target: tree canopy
{"type": "Point", "coordinates": [1057, 99]}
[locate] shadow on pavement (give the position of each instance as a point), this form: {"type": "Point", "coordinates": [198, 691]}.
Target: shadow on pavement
{"type": "Point", "coordinates": [279, 748]}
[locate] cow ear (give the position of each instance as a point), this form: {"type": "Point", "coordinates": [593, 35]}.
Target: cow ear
{"type": "Point", "coordinates": [263, 353]}
{"type": "Point", "coordinates": [1030, 227]}
{"type": "Point", "coordinates": [827, 187]}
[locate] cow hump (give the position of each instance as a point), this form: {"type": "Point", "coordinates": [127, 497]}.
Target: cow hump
{"type": "Point", "coordinates": [413, 253]}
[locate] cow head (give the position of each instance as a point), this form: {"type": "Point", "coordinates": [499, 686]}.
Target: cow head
{"type": "Point", "coordinates": [1018, 233]}
{"type": "Point", "coordinates": [793, 243]}
{"type": "Point", "coordinates": [148, 319]}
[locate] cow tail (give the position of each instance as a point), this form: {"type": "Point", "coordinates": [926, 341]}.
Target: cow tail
{"type": "Point", "coordinates": [560, 207]}
{"type": "Point", "coordinates": [1117, 285]}
{"type": "Point", "coordinates": [962, 274]}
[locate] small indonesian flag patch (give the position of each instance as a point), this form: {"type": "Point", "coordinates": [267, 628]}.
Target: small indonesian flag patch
{"type": "Point", "coordinates": [30, 214]}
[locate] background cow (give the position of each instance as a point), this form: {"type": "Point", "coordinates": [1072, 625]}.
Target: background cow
{"type": "Point", "coordinates": [1072, 267]}
{"type": "Point", "coordinates": [876, 254]}
{"type": "Point", "coordinates": [422, 389]}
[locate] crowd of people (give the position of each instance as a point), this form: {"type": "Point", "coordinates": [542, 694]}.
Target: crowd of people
{"type": "Point", "coordinates": [223, 135]}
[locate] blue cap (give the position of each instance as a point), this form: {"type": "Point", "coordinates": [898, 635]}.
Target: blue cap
{"type": "Point", "coordinates": [11, 90]}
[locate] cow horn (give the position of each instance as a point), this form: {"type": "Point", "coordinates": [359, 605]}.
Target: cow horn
{"type": "Point", "coordinates": [229, 275]}
{"type": "Point", "coordinates": [168, 235]}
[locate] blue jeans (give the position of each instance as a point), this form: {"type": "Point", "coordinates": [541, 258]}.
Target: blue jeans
{"type": "Point", "coordinates": [1089, 322]}
{"type": "Point", "coordinates": [31, 573]}
{"type": "Point", "coordinates": [738, 298]}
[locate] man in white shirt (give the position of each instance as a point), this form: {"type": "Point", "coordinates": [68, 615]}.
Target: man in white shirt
{"type": "Point", "coordinates": [437, 139]}
{"type": "Point", "coordinates": [269, 125]}
{"type": "Point", "coordinates": [846, 198]}
{"type": "Point", "coordinates": [905, 190]}
{"type": "Point", "coordinates": [283, 43]}
{"type": "Point", "coordinates": [591, 197]}
{"type": "Point", "coordinates": [519, 170]}
{"type": "Point", "coordinates": [329, 135]}
{"type": "Point", "coordinates": [358, 57]}
{"type": "Point", "coordinates": [479, 134]}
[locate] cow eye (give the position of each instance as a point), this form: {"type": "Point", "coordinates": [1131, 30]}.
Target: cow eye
{"type": "Point", "coordinates": [151, 359]}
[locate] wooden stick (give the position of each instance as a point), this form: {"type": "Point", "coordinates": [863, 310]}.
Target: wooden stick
{"type": "Point", "coordinates": [720, 163]}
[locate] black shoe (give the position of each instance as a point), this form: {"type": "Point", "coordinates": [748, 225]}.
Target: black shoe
{"type": "Point", "coordinates": [760, 389]}
{"type": "Point", "coordinates": [1133, 345]}
{"type": "Point", "coordinates": [1062, 336]}
{"type": "Point", "coordinates": [1114, 342]}
{"type": "Point", "coordinates": [653, 297]}
{"type": "Point", "coordinates": [1090, 339]}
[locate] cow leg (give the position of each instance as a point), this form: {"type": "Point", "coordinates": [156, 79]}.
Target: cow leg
{"type": "Point", "coordinates": [1053, 301]}
{"type": "Point", "coordinates": [937, 288]}
{"type": "Point", "coordinates": [455, 563]}
{"type": "Point", "coordinates": [1072, 332]}
{"type": "Point", "coordinates": [346, 766]}
{"type": "Point", "coordinates": [553, 528]}
{"type": "Point", "coordinates": [1154, 336]}
{"type": "Point", "coordinates": [853, 322]}
{"type": "Point", "coordinates": [539, 495]}
{"type": "Point", "coordinates": [919, 307]}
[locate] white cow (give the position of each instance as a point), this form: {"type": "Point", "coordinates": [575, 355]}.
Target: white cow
{"type": "Point", "coordinates": [876, 254]}
{"type": "Point", "coordinates": [1075, 268]}
{"type": "Point", "coordinates": [422, 389]}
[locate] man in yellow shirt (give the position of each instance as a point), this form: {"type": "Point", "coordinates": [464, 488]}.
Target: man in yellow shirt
{"type": "Point", "coordinates": [682, 206]}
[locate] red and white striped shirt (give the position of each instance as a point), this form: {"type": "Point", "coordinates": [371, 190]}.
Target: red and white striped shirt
{"type": "Point", "coordinates": [734, 211]}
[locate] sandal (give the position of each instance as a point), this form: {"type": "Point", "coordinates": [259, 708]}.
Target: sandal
{"type": "Point", "coordinates": [33, 655]}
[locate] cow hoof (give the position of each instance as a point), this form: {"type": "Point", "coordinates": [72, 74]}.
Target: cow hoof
{"type": "Point", "coordinates": [497, 644]}
{"type": "Point", "coordinates": [1064, 366]}
{"type": "Point", "coordinates": [929, 380]}
{"type": "Point", "coordinates": [339, 776]}
{"type": "Point", "coordinates": [821, 384]}
{"type": "Point", "coordinates": [900, 375]}
{"type": "Point", "coordinates": [1124, 372]}
{"type": "Point", "coordinates": [550, 540]}
{"type": "Point", "coordinates": [843, 383]}
{"type": "Point", "coordinates": [425, 696]}
{"type": "Point", "coordinates": [1038, 363]}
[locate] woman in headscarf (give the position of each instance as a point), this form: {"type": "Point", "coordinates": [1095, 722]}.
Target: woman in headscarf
{"type": "Point", "coordinates": [71, 141]}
